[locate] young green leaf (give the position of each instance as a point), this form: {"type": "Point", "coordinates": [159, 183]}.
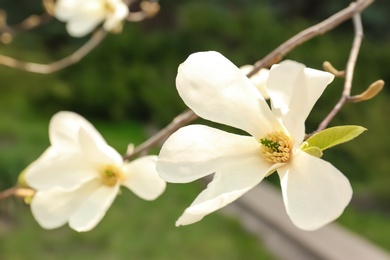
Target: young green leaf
{"type": "Point", "coordinates": [334, 135]}
{"type": "Point", "coordinates": [314, 151]}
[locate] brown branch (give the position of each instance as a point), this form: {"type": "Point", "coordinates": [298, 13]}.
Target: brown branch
{"type": "Point", "coordinates": [357, 22]}
{"type": "Point", "coordinates": [75, 57]}
{"type": "Point", "coordinates": [29, 23]}
{"type": "Point", "coordinates": [7, 193]}
{"type": "Point", "coordinates": [311, 32]}
{"type": "Point", "coordinates": [181, 120]}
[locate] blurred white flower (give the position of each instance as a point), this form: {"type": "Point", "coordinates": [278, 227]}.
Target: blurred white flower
{"type": "Point", "coordinates": [78, 177]}
{"type": "Point", "coordinates": [82, 16]}
{"type": "Point", "coordinates": [258, 79]}
{"type": "Point", "coordinates": [314, 191]}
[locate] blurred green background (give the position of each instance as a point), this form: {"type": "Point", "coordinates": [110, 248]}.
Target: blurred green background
{"type": "Point", "coordinates": [127, 84]}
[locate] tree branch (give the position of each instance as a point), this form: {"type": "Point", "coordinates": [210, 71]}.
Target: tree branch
{"type": "Point", "coordinates": [7, 193]}
{"type": "Point", "coordinates": [80, 53]}
{"type": "Point", "coordinates": [311, 32]}
{"type": "Point", "coordinates": [357, 22]}
{"type": "Point", "coordinates": [181, 120]}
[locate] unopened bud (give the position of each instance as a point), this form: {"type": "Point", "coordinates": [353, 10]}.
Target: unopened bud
{"type": "Point", "coordinates": [327, 66]}
{"type": "Point", "coordinates": [371, 92]}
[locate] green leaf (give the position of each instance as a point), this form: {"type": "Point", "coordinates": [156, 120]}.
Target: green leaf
{"type": "Point", "coordinates": [314, 151]}
{"type": "Point", "coordinates": [334, 136]}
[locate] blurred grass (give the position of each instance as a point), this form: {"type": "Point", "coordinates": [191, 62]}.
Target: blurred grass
{"type": "Point", "coordinates": [132, 228]}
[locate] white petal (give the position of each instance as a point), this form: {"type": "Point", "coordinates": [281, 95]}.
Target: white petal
{"type": "Point", "coordinates": [217, 90]}
{"type": "Point", "coordinates": [196, 151]}
{"type": "Point", "coordinates": [294, 90]}
{"type": "Point", "coordinates": [93, 208]}
{"type": "Point", "coordinates": [228, 184]}
{"type": "Point", "coordinates": [112, 20]}
{"type": "Point", "coordinates": [67, 171]}
{"type": "Point", "coordinates": [64, 131]}
{"type": "Point", "coordinates": [80, 26]}
{"type": "Point", "coordinates": [258, 79]}
{"type": "Point", "coordinates": [52, 208]}
{"type": "Point", "coordinates": [97, 152]}
{"type": "Point", "coordinates": [65, 9]}
{"type": "Point", "coordinates": [314, 191]}
{"type": "Point", "coordinates": [142, 178]}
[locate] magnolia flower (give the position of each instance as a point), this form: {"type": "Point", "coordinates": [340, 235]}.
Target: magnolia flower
{"type": "Point", "coordinates": [79, 175]}
{"type": "Point", "coordinates": [82, 16]}
{"type": "Point", "coordinates": [258, 79]}
{"type": "Point", "coordinates": [314, 191]}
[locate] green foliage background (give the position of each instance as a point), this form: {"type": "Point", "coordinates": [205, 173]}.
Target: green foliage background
{"type": "Point", "coordinates": [131, 76]}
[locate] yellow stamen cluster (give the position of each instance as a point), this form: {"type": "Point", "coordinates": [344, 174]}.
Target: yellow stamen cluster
{"type": "Point", "coordinates": [276, 147]}
{"type": "Point", "coordinates": [111, 175]}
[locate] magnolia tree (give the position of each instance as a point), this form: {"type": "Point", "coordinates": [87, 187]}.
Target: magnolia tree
{"type": "Point", "coordinates": [77, 178]}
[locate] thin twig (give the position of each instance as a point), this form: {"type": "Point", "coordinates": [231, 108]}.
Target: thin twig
{"type": "Point", "coordinates": [8, 193]}
{"type": "Point", "coordinates": [357, 22]}
{"type": "Point", "coordinates": [311, 32]}
{"type": "Point", "coordinates": [181, 120]}
{"type": "Point", "coordinates": [29, 23]}
{"type": "Point", "coordinates": [96, 38]}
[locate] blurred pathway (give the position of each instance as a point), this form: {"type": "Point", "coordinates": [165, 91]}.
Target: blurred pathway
{"type": "Point", "coordinates": [261, 211]}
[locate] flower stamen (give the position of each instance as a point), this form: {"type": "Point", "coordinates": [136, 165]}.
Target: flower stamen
{"type": "Point", "coordinates": [276, 147]}
{"type": "Point", "coordinates": [111, 175]}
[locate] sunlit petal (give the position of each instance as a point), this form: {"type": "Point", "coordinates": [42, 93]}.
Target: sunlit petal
{"type": "Point", "coordinates": [314, 191]}
{"type": "Point", "coordinates": [218, 91]}
{"type": "Point", "coordinates": [52, 208]}
{"type": "Point", "coordinates": [64, 131]}
{"type": "Point", "coordinates": [258, 79]}
{"type": "Point", "coordinates": [80, 26]}
{"type": "Point", "coordinates": [143, 179]}
{"type": "Point", "coordinates": [64, 9]}
{"type": "Point", "coordinates": [229, 183]}
{"type": "Point", "coordinates": [67, 171]}
{"type": "Point", "coordinates": [97, 152]}
{"type": "Point", "coordinates": [196, 151]}
{"type": "Point", "coordinates": [93, 208]}
{"type": "Point", "coordinates": [120, 13]}
{"type": "Point", "coordinates": [294, 90]}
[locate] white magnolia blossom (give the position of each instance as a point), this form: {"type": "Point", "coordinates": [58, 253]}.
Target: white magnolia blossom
{"type": "Point", "coordinates": [78, 177]}
{"type": "Point", "coordinates": [258, 79]}
{"type": "Point", "coordinates": [82, 16]}
{"type": "Point", "coordinates": [314, 191]}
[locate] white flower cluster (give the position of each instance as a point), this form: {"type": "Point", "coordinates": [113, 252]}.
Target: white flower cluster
{"type": "Point", "coordinates": [79, 175]}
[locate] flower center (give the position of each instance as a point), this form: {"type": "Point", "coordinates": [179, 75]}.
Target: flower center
{"type": "Point", "coordinates": [111, 175]}
{"type": "Point", "coordinates": [276, 147]}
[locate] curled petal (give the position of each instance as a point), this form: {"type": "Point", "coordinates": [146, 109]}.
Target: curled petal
{"type": "Point", "coordinates": [52, 208]}
{"type": "Point", "coordinates": [93, 208]}
{"type": "Point", "coordinates": [67, 171]}
{"type": "Point", "coordinates": [228, 184]}
{"type": "Point", "coordinates": [294, 90]}
{"type": "Point", "coordinates": [196, 151]}
{"type": "Point", "coordinates": [64, 130]}
{"type": "Point", "coordinates": [96, 151]}
{"type": "Point", "coordinates": [217, 90]}
{"type": "Point", "coordinates": [143, 179]}
{"type": "Point", "coordinates": [314, 191]}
